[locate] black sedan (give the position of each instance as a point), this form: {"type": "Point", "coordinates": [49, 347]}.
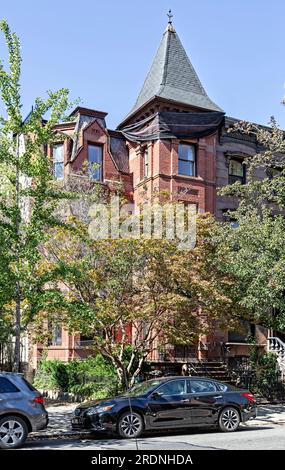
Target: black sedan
{"type": "Point", "coordinates": [168, 403]}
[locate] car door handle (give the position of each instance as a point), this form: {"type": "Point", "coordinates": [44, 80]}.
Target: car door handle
{"type": "Point", "coordinates": [218, 396]}
{"type": "Point", "coordinates": [184, 401]}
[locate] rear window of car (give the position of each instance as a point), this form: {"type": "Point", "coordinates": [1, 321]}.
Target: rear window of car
{"type": "Point", "coordinates": [222, 387]}
{"type": "Point", "coordinates": [202, 386]}
{"type": "Point", "coordinates": [7, 387]}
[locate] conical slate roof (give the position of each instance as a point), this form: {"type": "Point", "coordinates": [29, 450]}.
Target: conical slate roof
{"type": "Point", "coordinates": [172, 77]}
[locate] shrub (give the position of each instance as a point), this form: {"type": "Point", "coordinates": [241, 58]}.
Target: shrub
{"type": "Point", "coordinates": [51, 375]}
{"type": "Point", "coordinates": [95, 390]}
{"type": "Point", "coordinates": [267, 376]}
{"type": "Point", "coordinates": [94, 377]}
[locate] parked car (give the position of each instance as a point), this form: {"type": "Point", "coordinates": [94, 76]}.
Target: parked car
{"type": "Point", "coordinates": [21, 410]}
{"type": "Point", "coordinates": [168, 403]}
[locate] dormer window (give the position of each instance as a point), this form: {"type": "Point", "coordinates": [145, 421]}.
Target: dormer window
{"type": "Point", "coordinates": [146, 163]}
{"type": "Point", "coordinates": [236, 171]}
{"type": "Point", "coordinates": [186, 159]}
{"type": "Point", "coordinates": [58, 161]}
{"type": "Point", "coordinates": [95, 161]}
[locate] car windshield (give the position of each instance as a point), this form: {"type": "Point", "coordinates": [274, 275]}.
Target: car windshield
{"type": "Point", "coordinates": [142, 388]}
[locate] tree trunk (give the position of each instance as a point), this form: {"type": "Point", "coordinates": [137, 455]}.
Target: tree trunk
{"type": "Point", "coordinates": [137, 371]}
{"type": "Point", "coordinates": [17, 346]}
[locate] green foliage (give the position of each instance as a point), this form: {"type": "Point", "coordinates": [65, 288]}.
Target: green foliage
{"type": "Point", "coordinates": [256, 259]}
{"type": "Point", "coordinates": [51, 375]}
{"type": "Point", "coordinates": [155, 287]}
{"type": "Point", "coordinates": [28, 196]}
{"type": "Point", "coordinates": [267, 375]}
{"type": "Point", "coordinates": [96, 390]}
{"type": "Point", "coordinates": [93, 377]}
{"type": "Point", "coordinates": [256, 245]}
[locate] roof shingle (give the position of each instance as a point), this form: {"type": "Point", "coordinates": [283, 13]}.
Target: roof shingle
{"type": "Point", "coordinates": [172, 77]}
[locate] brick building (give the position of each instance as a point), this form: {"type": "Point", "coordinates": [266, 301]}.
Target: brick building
{"type": "Point", "coordinates": [175, 138]}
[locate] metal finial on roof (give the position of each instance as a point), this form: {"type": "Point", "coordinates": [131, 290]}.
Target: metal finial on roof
{"type": "Point", "coordinates": [170, 16]}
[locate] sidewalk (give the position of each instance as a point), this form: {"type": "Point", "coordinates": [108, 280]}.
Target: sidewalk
{"type": "Point", "coordinates": [60, 416]}
{"type": "Point", "coordinates": [274, 414]}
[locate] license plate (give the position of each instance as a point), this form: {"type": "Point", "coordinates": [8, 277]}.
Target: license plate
{"type": "Point", "coordinates": [77, 421]}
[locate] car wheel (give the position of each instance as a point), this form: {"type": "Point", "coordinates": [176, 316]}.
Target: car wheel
{"type": "Point", "coordinates": [13, 432]}
{"type": "Point", "coordinates": [229, 419]}
{"type": "Point", "coordinates": [130, 425]}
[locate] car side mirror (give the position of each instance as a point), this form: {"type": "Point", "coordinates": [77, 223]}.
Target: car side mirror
{"type": "Point", "coordinates": [155, 395]}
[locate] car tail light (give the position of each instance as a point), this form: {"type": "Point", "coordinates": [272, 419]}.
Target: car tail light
{"type": "Point", "coordinates": [38, 400]}
{"type": "Point", "coordinates": [248, 396]}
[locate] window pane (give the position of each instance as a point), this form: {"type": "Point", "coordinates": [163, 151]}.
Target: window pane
{"type": "Point", "coordinates": [187, 152]}
{"type": "Point", "coordinates": [185, 168]}
{"type": "Point", "coordinates": [201, 386]}
{"type": "Point", "coordinates": [58, 170]}
{"type": "Point", "coordinates": [58, 153]}
{"type": "Point", "coordinates": [6, 386]}
{"type": "Point", "coordinates": [146, 163]}
{"type": "Point", "coordinates": [58, 161]}
{"type": "Point", "coordinates": [57, 335]}
{"type": "Point", "coordinates": [233, 179]}
{"type": "Point", "coordinates": [95, 162]}
{"type": "Point", "coordinates": [177, 387]}
{"type": "Point", "coordinates": [236, 168]}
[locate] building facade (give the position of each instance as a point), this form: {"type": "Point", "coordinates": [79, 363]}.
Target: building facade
{"type": "Point", "coordinates": [174, 139]}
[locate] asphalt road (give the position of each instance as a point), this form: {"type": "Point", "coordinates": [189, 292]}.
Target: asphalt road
{"type": "Point", "coordinates": [248, 437]}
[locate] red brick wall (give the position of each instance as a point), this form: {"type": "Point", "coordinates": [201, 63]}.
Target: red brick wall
{"type": "Point", "coordinates": [164, 177]}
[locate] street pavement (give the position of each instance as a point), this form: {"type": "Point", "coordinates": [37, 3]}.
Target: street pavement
{"type": "Point", "coordinates": [267, 432]}
{"type": "Point", "coordinates": [261, 437]}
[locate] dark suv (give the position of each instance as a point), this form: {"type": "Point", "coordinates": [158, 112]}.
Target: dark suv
{"type": "Point", "coordinates": [21, 410]}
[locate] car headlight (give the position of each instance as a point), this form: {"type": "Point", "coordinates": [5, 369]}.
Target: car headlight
{"type": "Point", "coordinates": [99, 409]}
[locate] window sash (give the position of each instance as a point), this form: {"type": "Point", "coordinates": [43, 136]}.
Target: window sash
{"type": "Point", "coordinates": [146, 163]}
{"type": "Point", "coordinates": [95, 159]}
{"type": "Point", "coordinates": [58, 170]}
{"type": "Point", "coordinates": [186, 167]}
{"type": "Point", "coordinates": [234, 178]}
{"type": "Point", "coordinates": [186, 152]}
{"type": "Point", "coordinates": [186, 159]}
{"type": "Point", "coordinates": [55, 331]}
{"type": "Point", "coordinates": [236, 171]}
{"type": "Point", "coordinates": [58, 161]}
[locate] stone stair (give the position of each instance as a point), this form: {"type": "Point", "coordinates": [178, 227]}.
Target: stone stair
{"type": "Point", "coordinates": [216, 370]}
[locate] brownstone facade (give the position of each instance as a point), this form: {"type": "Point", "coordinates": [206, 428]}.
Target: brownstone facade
{"type": "Point", "coordinates": [145, 166]}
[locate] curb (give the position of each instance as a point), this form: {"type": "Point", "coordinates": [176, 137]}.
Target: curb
{"type": "Point", "coordinates": [57, 435]}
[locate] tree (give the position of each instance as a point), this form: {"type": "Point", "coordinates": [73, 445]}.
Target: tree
{"type": "Point", "coordinates": [256, 245]}
{"type": "Point", "coordinates": [137, 294]}
{"type": "Point", "coordinates": [28, 194]}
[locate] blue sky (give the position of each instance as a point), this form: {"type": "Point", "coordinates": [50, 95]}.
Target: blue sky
{"type": "Point", "coordinates": [101, 50]}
